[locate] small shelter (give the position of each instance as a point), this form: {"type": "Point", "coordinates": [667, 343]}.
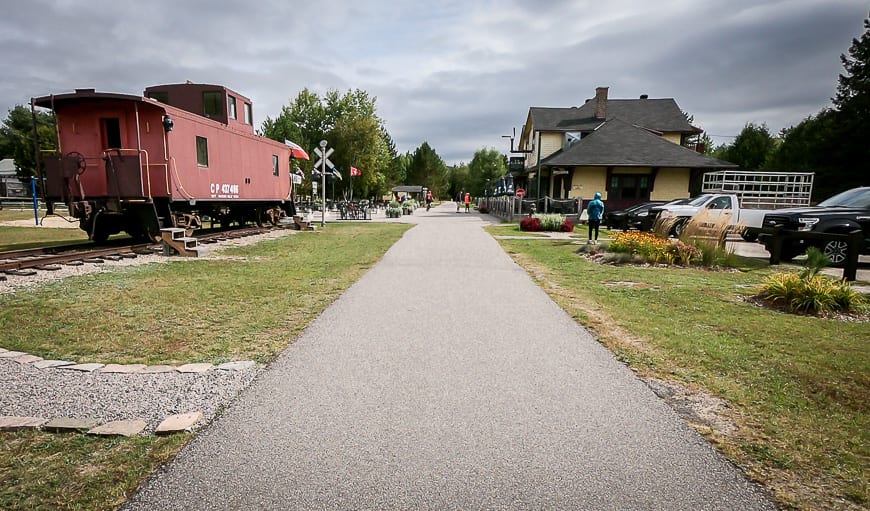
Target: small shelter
{"type": "Point", "coordinates": [414, 191]}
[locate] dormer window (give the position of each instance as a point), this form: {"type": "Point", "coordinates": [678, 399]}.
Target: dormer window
{"type": "Point", "coordinates": [571, 138]}
{"type": "Point", "coordinates": [212, 104]}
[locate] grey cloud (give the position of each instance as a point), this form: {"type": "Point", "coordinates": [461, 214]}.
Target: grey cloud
{"type": "Point", "coordinates": [771, 61]}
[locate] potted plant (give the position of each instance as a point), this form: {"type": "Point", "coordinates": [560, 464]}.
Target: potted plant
{"type": "Point", "coordinates": [394, 210]}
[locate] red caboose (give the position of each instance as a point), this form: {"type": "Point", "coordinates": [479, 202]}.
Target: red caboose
{"type": "Point", "coordinates": [139, 164]}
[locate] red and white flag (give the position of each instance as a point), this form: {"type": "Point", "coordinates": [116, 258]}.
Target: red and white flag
{"type": "Point", "coordinates": [354, 172]}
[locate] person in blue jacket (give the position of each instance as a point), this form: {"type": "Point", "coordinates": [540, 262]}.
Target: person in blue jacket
{"type": "Point", "coordinates": [595, 210]}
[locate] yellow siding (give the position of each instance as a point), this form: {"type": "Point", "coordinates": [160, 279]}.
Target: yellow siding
{"type": "Point", "coordinates": [671, 183]}
{"type": "Point", "coordinates": [672, 137]}
{"type": "Point", "coordinates": [550, 143]}
{"type": "Point", "coordinates": [587, 181]}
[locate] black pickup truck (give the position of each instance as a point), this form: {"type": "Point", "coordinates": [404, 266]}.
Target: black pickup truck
{"type": "Point", "coordinates": [841, 214]}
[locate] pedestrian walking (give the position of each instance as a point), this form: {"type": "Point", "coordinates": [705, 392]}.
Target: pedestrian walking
{"type": "Point", "coordinates": [595, 211]}
{"type": "Point", "coordinates": [467, 202]}
{"type": "Point", "coordinates": [458, 200]}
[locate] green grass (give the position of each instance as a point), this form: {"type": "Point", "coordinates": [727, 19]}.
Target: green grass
{"type": "Point", "coordinates": [46, 471]}
{"type": "Point", "coordinates": [797, 385]}
{"type": "Point", "coordinates": [18, 238]}
{"type": "Point", "coordinates": [32, 236]}
{"type": "Point", "coordinates": [249, 305]}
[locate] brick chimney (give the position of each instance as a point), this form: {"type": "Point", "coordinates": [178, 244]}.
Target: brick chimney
{"type": "Point", "coordinates": [601, 103]}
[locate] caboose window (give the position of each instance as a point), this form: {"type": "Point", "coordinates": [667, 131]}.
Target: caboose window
{"type": "Point", "coordinates": [274, 164]}
{"type": "Point", "coordinates": [202, 151]}
{"type": "Point", "coordinates": [160, 96]}
{"type": "Point", "coordinates": [111, 133]}
{"type": "Point", "coordinates": [212, 104]}
{"type": "Point", "coordinates": [231, 106]}
{"type": "Point", "coordinates": [249, 117]}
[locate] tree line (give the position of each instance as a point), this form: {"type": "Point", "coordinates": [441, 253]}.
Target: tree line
{"type": "Point", "coordinates": [834, 143]}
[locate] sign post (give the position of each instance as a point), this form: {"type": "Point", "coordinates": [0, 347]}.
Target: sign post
{"type": "Point", "coordinates": [322, 163]}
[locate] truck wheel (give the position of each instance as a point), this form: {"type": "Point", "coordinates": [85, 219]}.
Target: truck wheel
{"type": "Point", "coordinates": [749, 236]}
{"type": "Point", "coordinates": [836, 252]}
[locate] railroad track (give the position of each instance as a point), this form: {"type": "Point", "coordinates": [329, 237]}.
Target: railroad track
{"type": "Point", "coordinates": [28, 262]}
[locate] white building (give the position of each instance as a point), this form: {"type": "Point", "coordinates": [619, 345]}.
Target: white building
{"type": "Point", "coordinates": [10, 185]}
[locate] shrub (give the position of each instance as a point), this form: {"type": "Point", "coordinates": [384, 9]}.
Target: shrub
{"type": "Point", "coordinates": [567, 226]}
{"type": "Point", "coordinates": [801, 292]}
{"type": "Point", "coordinates": [531, 224]}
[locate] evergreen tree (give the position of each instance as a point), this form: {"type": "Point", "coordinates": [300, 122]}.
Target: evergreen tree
{"type": "Point", "coordinates": [486, 165]}
{"type": "Point", "coordinates": [16, 138]}
{"type": "Point", "coordinates": [428, 169]}
{"type": "Point", "coordinates": [751, 148]}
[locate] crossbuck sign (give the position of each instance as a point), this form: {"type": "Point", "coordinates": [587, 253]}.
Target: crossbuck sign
{"type": "Point", "coordinates": [323, 153]}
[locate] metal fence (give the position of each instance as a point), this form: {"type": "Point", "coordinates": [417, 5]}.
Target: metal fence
{"type": "Point", "coordinates": [510, 208]}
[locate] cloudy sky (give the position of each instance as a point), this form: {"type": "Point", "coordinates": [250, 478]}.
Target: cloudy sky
{"type": "Point", "coordinates": [456, 74]}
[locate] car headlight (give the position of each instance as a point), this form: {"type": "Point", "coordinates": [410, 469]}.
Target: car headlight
{"type": "Point", "coordinates": [642, 214]}
{"type": "Point", "coordinates": [807, 223]}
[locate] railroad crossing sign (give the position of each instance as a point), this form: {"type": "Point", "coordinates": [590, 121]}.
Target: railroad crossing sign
{"type": "Point", "coordinates": [320, 162]}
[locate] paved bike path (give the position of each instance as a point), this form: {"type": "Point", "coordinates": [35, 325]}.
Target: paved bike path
{"type": "Point", "coordinates": [446, 379]}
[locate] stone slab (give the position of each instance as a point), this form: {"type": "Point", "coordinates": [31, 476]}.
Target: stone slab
{"type": "Point", "coordinates": [178, 422]}
{"type": "Point", "coordinates": [45, 364]}
{"type": "Point", "coordinates": [11, 354]}
{"type": "Point", "coordinates": [129, 427]}
{"type": "Point", "coordinates": [123, 368]}
{"type": "Point", "coordinates": [87, 368]}
{"type": "Point", "coordinates": [195, 368]}
{"type": "Point", "coordinates": [65, 424]}
{"type": "Point", "coordinates": [157, 369]}
{"type": "Point", "coordinates": [27, 359]}
{"type": "Point", "coordinates": [13, 423]}
{"type": "Point", "coordinates": [239, 365]}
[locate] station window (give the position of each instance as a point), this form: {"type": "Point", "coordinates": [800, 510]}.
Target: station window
{"type": "Point", "coordinates": [212, 104]}
{"type": "Point", "coordinates": [249, 116]}
{"type": "Point", "coordinates": [274, 164]}
{"type": "Point", "coordinates": [629, 186]}
{"type": "Point", "coordinates": [231, 107]}
{"type": "Point", "coordinates": [202, 151]}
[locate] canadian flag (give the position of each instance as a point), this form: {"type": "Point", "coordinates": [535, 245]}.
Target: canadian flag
{"type": "Point", "coordinates": [354, 172]}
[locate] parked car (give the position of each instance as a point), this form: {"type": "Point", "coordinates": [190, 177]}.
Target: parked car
{"type": "Point", "coordinates": [631, 217]}
{"type": "Point", "coordinates": [841, 214]}
{"type": "Point", "coordinates": [650, 219]}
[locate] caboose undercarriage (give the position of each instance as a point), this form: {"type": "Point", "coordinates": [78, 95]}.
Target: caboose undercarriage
{"type": "Point", "coordinates": [144, 219]}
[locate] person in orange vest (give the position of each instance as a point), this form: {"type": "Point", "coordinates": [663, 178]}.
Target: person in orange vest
{"type": "Point", "coordinates": [467, 202]}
